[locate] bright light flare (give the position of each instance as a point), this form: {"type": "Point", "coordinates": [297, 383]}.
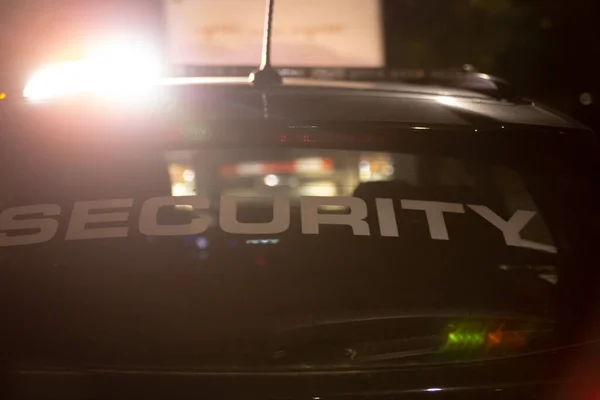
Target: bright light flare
{"type": "Point", "coordinates": [447, 100]}
{"type": "Point", "coordinates": [123, 67]}
{"type": "Point", "coordinates": [57, 80]}
{"type": "Point", "coordinates": [117, 69]}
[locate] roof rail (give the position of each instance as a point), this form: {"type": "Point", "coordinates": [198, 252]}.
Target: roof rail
{"type": "Point", "coordinates": [465, 77]}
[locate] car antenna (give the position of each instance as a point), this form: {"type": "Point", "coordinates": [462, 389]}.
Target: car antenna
{"type": "Point", "coordinates": [266, 74]}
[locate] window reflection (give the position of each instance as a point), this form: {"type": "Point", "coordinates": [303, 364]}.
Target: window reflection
{"type": "Point", "coordinates": [254, 176]}
{"type": "Point", "coordinates": [294, 173]}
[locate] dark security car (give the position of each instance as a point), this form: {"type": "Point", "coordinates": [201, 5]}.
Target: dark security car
{"type": "Point", "coordinates": [305, 240]}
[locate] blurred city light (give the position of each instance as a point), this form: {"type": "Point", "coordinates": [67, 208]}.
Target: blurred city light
{"type": "Point", "coordinates": [586, 99]}
{"type": "Point", "coordinates": [466, 335]}
{"type": "Point", "coordinates": [319, 189]}
{"type": "Point", "coordinates": [271, 180]}
{"type": "Point", "coordinates": [467, 338]}
{"type": "Point", "coordinates": [118, 69]}
{"type": "Point", "coordinates": [188, 175]}
{"type": "Point", "coordinates": [201, 242]}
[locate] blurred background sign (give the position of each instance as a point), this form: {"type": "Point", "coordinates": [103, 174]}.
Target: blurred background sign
{"type": "Point", "coordinates": [327, 33]}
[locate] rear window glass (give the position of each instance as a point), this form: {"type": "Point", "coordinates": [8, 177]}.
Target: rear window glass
{"type": "Point", "coordinates": [179, 253]}
{"type": "Point", "coordinates": [386, 224]}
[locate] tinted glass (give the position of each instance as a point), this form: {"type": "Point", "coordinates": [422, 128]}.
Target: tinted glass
{"type": "Point", "coordinates": [161, 253]}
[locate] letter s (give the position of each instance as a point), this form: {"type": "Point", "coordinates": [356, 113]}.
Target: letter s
{"type": "Point", "coordinates": [47, 227]}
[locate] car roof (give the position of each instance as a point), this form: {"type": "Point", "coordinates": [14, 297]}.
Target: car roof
{"type": "Point", "coordinates": [317, 84]}
{"type": "Point", "coordinates": [329, 100]}
{"type": "Point", "coordinates": [302, 100]}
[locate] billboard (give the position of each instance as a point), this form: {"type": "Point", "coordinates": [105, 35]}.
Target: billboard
{"type": "Point", "coordinates": [315, 33]}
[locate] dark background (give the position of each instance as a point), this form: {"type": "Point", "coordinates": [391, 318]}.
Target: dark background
{"type": "Point", "coordinates": [546, 48]}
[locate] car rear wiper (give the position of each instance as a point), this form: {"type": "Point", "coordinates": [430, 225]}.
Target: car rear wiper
{"type": "Point", "coordinates": [365, 315]}
{"type": "Point", "coordinates": [403, 355]}
{"type": "Point", "coordinates": [369, 336]}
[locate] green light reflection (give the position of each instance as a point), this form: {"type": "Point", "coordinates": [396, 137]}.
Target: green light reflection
{"type": "Point", "coordinates": [467, 336]}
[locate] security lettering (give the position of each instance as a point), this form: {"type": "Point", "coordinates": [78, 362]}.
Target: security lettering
{"type": "Point", "coordinates": [38, 223]}
{"type": "Point", "coordinates": [45, 228]}
{"type": "Point", "coordinates": [148, 224]}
